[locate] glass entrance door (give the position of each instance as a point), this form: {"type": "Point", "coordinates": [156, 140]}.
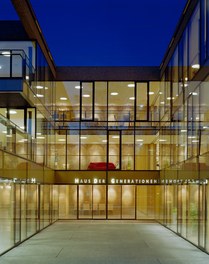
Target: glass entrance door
{"type": "Point", "coordinates": [121, 202]}
{"type": "Point", "coordinates": [92, 202]}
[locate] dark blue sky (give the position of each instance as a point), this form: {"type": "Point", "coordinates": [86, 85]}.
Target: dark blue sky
{"type": "Point", "coordinates": [108, 32]}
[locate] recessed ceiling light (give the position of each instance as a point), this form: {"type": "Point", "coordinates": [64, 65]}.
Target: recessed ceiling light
{"type": "Point", "coordinates": [162, 103]}
{"type": "Point", "coordinates": [131, 98]}
{"type": "Point", "coordinates": [195, 66]}
{"type": "Point", "coordinates": [114, 93]}
{"type": "Point", "coordinates": [104, 140]}
{"type": "Point", "coordinates": [140, 140]}
{"type": "Point", "coordinates": [40, 137]}
{"type": "Point", "coordinates": [83, 137]}
{"type": "Point", "coordinates": [183, 130]}
{"type": "Point", "coordinates": [61, 140]}
{"type": "Point", "coordinates": [162, 140]}
{"type": "Point", "coordinates": [6, 53]}
{"type": "Point", "coordinates": [195, 141]}
{"type": "Point", "coordinates": [86, 95]}
{"type": "Point", "coordinates": [151, 93]}
{"type": "Point", "coordinates": [39, 87]}
{"type": "Point", "coordinates": [186, 78]}
{"type": "Point", "coordinates": [27, 77]}
{"type": "Point", "coordinates": [170, 98]}
{"type": "Point", "coordinates": [160, 93]}
{"type": "Point", "coordinates": [12, 112]}
{"type": "Point", "coordinates": [78, 87]}
{"type": "Point", "coordinates": [63, 98]}
{"type": "Point", "coordinates": [194, 93]}
{"type": "Point", "coordinates": [131, 85]}
{"type": "Point", "coordinates": [38, 133]}
{"type": "Point", "coordinates": [46, 88]}
{"type": "Point", "coordinates": [40, 95]}
{"type": "Point", "coordinates": [115, 136]}
{"type": "Point", "coordinates": [4, 131]}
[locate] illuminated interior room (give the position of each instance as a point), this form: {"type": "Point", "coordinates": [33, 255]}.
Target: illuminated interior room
{"type": "Point", "coordinates": [127, 143]}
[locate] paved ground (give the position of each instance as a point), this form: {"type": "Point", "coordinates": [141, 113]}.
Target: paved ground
{"type": "Point", "coordinates": [111, 242]}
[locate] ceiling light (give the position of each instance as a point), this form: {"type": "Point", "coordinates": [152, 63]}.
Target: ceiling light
{"type": "Point", "coordinates": [61, 140]}
{"type": "Point", "coordinates": [162, 140]}
{"type": "Point", "coordinates": [38, 133]}
{"type": "Point", "coordinates": [39, 87]}
{"type": "Point", "coordinates": [9, 136]}
{"type": "Point", "coordinates": [131, 85]}
{"type": "Point", "coordinates": [191, 137]}
{"type": "Point", "coordinates": [194, 93]}
{"type": "Point", "coordinates": [114, 93]}
{"type": "Point", "coordinates": [160, 93]}
{"type": "Point", "coordinates": [63, 98]}
{"type": "Point", "coordinates": [6, 53]}
{"type": "Point", "coordinates": [195, 66]}
{"type": "Point", "coordinates": [83, 137]}
{"type": "Point", "coordinates": [4, 131]}
{"type": "Point", "coordinates": [27, 77]}
{"type": "Point", "coordinates": [131, 98]}
{"type": "Point", "coordinates": [162, 102]}
{"type": "Point", "coordinates": [115, 136]}
{"type": "Point", "coordinates": [151, 93]}
{"type": "Point", "coordinates": [46, 88]}
{"type": "Point", "coordinates": [0, 67]}
{"type": "Point", "coordinates": [140, 140]}
{"type": "Point", "coordinates": [40, 95]}
{"type": "Point", "coordinates": [205, 127]}
{"type": "Point", "coordinates": [195, 141]}
{"type": "Point", "coordinates": [12, 112]}
{"type": "Point", "coordinates": [78, 87]}
{"type": "Point", "coordinates": [183, 130]}
{"type": "Point", "coordinates": [104, 140]}
{"type": "Point", "coordinates": [197, 118]}
{"type": "Point", "coordinates": [40, 137]}
{"type": "Point", "coordinates": [86, 95]}
{"type": "Point", "coordinates": [186, 78]}
{"type": "Point", "coordinates": [170, 98]}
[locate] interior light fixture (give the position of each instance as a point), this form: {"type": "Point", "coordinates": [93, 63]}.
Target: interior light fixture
{"type": "Point", "coordinates": [194, 93]}
{"type": "Point", "coordinates": [140, 140]}
{"type": "Point", "coordinates": [151, 93]}
{"type": "Point", "coordinates": [195, 141]}
{"type": "Point", "coordinates": [170, 98]}
{"type": "Point", "coordinates": [46, 88]}
{"type": "Point", "coordinates": [40, 137]}
{"type": "Point", "coordinates": [6, 53]}
{"type": "Point", "coordinates": [40, 95]}
{"type": "Point", "coordinates": [183, 131]}
{"type": "Point", "coordinates": [78, 87]}
{"type": "Point", "coordinates": [205, 127]}
{"type": "Point", "coordinates": [191, 137]}
{"type": "Point", "coordinates": [86, 95]}
{"type": "Point", "coordinates": [39, 87]}
{"type": "Point", "coordinates": [131, 85]}
{"type": "Point", "coordinates": [104, 140]}
{"type": "Point", "coordinates": [83, 137]}
{"type": "Point", "coordinates": [160, 93]}
{"type": "Point", "coordinates": [12, 112]}
{"type": "Point", "coordinates": [114, 93]}
{"type": "Point", "coordinates": [162, 103]}
{"type": "Point", "coordinates": [131, 98]}
{"type": "Point", "coordinates": [195, 66]}
{"type": "Point", "coordinates": [63, 98]}
{"type": "Point", "coordinates": [162, 140]}
{"type": "Point", "coordinates": [61, 140]}
{"type": "Point", "coordinates": [115, 136]}
{"type": "Point", "coordinates": [9, 136]}
{"type": "Point", "coordinates": [4, 132]}
{"type": "Point", "coordinates": [186, 78]}
{"type": "Point", "coordinates": [38, 134]}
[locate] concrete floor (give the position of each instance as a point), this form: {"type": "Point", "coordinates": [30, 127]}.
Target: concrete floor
{"type": "Point", "coordinates": [99, 242]}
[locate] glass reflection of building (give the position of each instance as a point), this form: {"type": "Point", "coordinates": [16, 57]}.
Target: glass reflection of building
{"type": "Point", "coordinates": [104, 143]}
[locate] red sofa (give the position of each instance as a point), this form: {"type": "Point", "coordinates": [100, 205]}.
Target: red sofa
{"type": "Point", "coordinates": [101, 166]}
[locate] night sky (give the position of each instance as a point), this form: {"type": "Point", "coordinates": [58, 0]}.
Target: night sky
{"type": "Point", "coordinates": [108, 32]}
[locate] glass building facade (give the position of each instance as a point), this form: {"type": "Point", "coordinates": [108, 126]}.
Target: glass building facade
{"type": "Point", "coordinates": [104, 148]}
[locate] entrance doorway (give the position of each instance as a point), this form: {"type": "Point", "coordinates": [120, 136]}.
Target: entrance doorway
{"type": "Point", "coordinates": [109, 201]}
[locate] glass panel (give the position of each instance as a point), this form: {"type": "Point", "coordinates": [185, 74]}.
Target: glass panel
{"type": "Point", "coordinates": [5, 64]}
{"type": "Point", "coordinates": [93, 150]}
{"type": "Point", "coordinates": [100, 102]}
{"type": "Point", "coordinates": [17, 216]}
{"type": "Point", "coordinates": [127, 150]}
{"type": "Point", "coordinates": [147, 202]}
{"type": "Point", "coordinates": [192, 231]}
{"type": "Point", "coordinates": [23, 212]}
{"type": "Point", "coordinates": [72, 150]}
{"type": "Point", "coordinates": [32, 209]}
{"type": "Point", "coordinates": [99, 202]}
{"type": "Point", "coordinates": [7, 215]}
{"type": "Point", "coordinates": [171, 206]}
{"type": "Point", "coordinates": [128, 202]}
{"type": "Point", "coordinates": [17, 64]}
{"type": "Point", "coordinates": [141, 101]}
{"type": "Point", "coordinates": [114, 202]}
{"type": "Point", "coordinates": [202, 217]}
{"type": "Point", "coordinates": [207, 213]}
{"type": "Point", "coordinates": [67, 202]}
{"type": "Point", "coordinates": [87, 101]}
{"type": "Point", "coordinates": [114, 149]}
{"type": "Point", "coordinates": [85, 202]}
{"type": "Point", "coordinates": [121, 100]}
{"type": "Point", "coordinates": [60, 154]}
